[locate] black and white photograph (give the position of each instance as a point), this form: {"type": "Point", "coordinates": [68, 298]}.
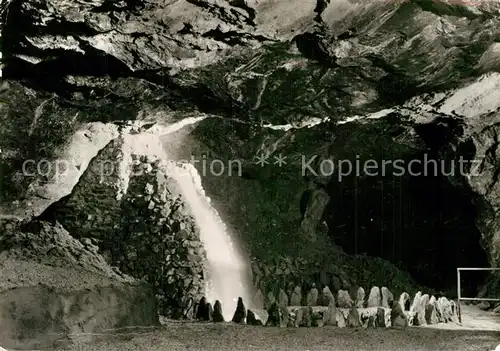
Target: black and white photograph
{"type": "Point", "coordinates": [250, 175]}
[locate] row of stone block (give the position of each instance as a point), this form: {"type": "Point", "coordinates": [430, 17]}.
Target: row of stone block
{"type": "Point", "coordinates": [429, 310]}
{"type": "Point", "coordinates": [380, 311]}
{"type": "Point", "coordinates": [343, 299]}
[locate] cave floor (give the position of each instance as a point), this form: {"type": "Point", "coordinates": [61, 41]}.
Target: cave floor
{"type": "Point", "coordinates": [235, 337]}
{"type": "Point", "coordinates": [473, 318]}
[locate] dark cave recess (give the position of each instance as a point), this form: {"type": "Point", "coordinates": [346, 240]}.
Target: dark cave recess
{"type": "Point", "coordinates": [422, 223]}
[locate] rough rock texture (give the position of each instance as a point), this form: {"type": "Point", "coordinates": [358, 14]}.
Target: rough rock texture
{"type": "Point", "coordinates": [354, 319]}
{"type": "Point", "coordinates": [366, 78]}
{"type": "Point", "coordinates": [444, 307]}
{"type": "Point", "coordinates": [282, 298]}
{"type": "Point", "coordinates": [387, 297]}
{"type": "Point", "coordinates": [240, 313]}
{"type": "Point", "coordinates": [410, 317]}
{"type": "Point", "coordinates": [312, 297]}
{"type": "Point", "coordinates": [307, 317]}
{"type": "Point", "coordinates": [296, 297]}
{"type": "Point", "coordinates": [404, 301]}
{"type": "Point", "coordinates": [210, 310]}
{"type": "Point", "coordinates": [344, 299]}
{"type": "Point", "coordinates": [53, 284]}
{"type": "Point", "coordinates": [422, 310]}
{"type": "Point", "coordinates": [360, 298]}
{"type": "Point", "coordinates": [327, 297]}
{"type": "Point", "coordinates": [285, 317]}
{"type": "Point", "coordinates": [342, 316]}
{"type": "Point", "coordinates": [431, 316]}
{"type": "Point", "coordinates": [252, 318]}
{"type": "Point", "coordinates": [275, 315]}
{"type": "Point", "coordinates": [140, 222]}
{"type": "Point", "coordinates": [261, 315]}
{"type": "Point", "coordinates": [218, 315]}
{"type": "Point", "coordinates": [375, 317]}
{"type": "Point", "coordinates": [270, 300]}
{"type": "Point", "coordinates": [398, 317]}
{"type": "Point", "coordinates": [330, 315]}
{"type": "Point", "coordinates": [203, 310]}
{"type": "Point", "coordinates": [299, 316]}
{"type": "Point", "coordinates": [454, 312]}
{"type": "Point", "coordinates": [374, 299]}
{"type": "Point", "coordinates": [418, 308]}
{"type": "Point", "coordinates": [384, 317]}
{"type": "Point", "coordinates": [258, 300]}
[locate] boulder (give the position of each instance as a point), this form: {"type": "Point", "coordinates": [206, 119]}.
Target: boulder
{"type": "Point", "coordinates": [291, 319]}
{"type": "Point", "coordinates": [261, 315]}
{"type": "Point", "coordinates": [410, 317]}
{"type": "Point", "coordinates": [344, 299]}
{"type": "Point", "coordinates": [375, 317]}
{"type": "Point", "coordinates": [299, 317]}
{"type": "Point", "coordinates": [384, 317]}
{"type": "Point", "coordinates": [269, 300]}
{"type": "Point", "coordinates": [399, 318]}
{"type": "Point", "coordinates": [282, 299]}
{"type": "Point", "coordinates": [454, 312]}
{"type": "Point", "coordinates": [330, 315]}
{"type": "Point", "coordinates": [188, 311]}
{"type": "Point", "coordinates": [210, 312]}
{"type": "Point", "coordinates": [240, 313]}
{"type": "Point", "coordinates": [374, 298]}
{"type": "Point", "coordinates": [258, 300]}
{"type": "Point", "coordinates": [327, 297]}
{"type": "Point", "coordinates": [218, 316]}
{"type": "Point", "coordinates": [424, 303]}
{"type": "Point", "coordinates": [337, 283]}
{"type": "Point", "coordinates": [431, 314]}
{"type": "Point", "coordinates": [368, 317]}
{"type": "Point", "coordinates": [53, 312]}
{"type": "Point", "coordinates": [404, 301]}
{"type": "Point", "coordinates": [317, 318]}
{"type": "Point", "coordinates": [285, 317]}
{"type": "Point", "coordinates": [274, 318]}
{"type": "Point", "coordinates": [360, 297]}
{"type": "Point", "coordinates": [252, 318]}
{"type": "Point", "coordinates": [52, 285]}
{"type": "Point", "coordinates": [484, 305]}
{"type": "Point", "coordinates": [312, 296]}
{"type": "Point", "coordinates": [307, 317]}
{"type": "Point", "coordinates": [439, 317]}
{"type": "Point", "coordinates": [439, 312]}
{"type": "Point", "coordinates": [387, 297]}
{"type": "Point", "coordinates": [202, 310]}
{"type": "Point", "coordinates": [425, 300]}
{"type": "Point", "coordinates": [296, 297]}
{"type": "Point", "coordinates": [354, 319]}
{"type": "Point", "coordinates": [444, 308]}
{"type": "Point", "coordinates": [418, 309]}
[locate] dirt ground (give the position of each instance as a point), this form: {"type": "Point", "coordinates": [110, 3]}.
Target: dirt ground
{"type": "Point", "coordinates": [473, 319]}
{"type": "Point", "coordinates": [236, 337]}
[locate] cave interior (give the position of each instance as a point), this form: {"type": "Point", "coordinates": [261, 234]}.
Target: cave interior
{"type": "Point", "coordinates": [418, 220]}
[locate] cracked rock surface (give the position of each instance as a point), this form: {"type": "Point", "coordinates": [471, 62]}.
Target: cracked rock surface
{"type": "Point", "coordinates": [334, 79]}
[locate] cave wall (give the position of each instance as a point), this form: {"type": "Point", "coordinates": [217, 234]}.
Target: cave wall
{"type": "Point", "coordinates": [255, 71]}
{"type": "Point", "coordinates": [147, 232]}
{"type": "Point", "coordinates": [53, 285]}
